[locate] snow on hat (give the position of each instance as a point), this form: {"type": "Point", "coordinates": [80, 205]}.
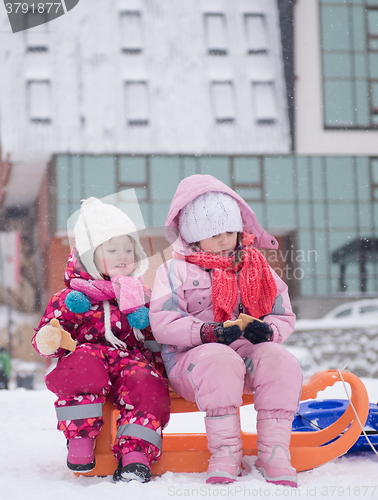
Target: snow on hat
{"type": "Point", "coordinates": [99, 222]}
{"type": "Point", "coordinates": [209, 214]}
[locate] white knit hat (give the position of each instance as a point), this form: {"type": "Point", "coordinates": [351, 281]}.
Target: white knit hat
{"type": "Point", "coordinates": [97, 223]}
{"type": "Point", "coordinates": [209, 214]}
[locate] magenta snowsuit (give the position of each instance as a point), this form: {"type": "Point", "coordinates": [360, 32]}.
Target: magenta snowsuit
{"type": "Point", "coordinates": [214, 375]}
{"type": "Point", "coordinates": [133, 379]}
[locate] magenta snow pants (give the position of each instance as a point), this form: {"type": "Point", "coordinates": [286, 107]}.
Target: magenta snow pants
{"type": "Point", "coordinates": [82, 380]}
{"type": "Point", "coordinates": [215, 376]}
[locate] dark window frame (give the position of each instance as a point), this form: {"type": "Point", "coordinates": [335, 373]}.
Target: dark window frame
{"type": "Point", "coordinates": [225, 119]}
{"type": "Point", "coordinates": [215, 51]}
{"type": "Point", "coordinates": [37, 120]}
{"type": "Point", "coordinates": [137, 122]}
{"type": "Point", "coordinates": [373, 185]}
{"type": "Point", "coordinates": [247, 185]}
{"type": "Point", "coordinates": [262, 15]}
{"type": "Point", "coordinates": [124, 48]}
{"type": "Point", "coordinates": [134, 185]}
{"type": "Point", "coordinates": [34, 47]}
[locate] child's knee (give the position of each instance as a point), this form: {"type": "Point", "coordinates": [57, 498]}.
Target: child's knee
{"type": "Point", "coordinates": [218, 378]}
{"type": "Point", "coordinates": [276, 380]}
{"type": "Point", "coordinates": [146, 391]}
{"type": "Point", "coordinates": [270, 351]}
{"type": "Point", "coordinates": [288, 363]}
{"type": "Point", "coordinates": [78, 373]}
{"type": "Point", "coordinates": [220, 358]}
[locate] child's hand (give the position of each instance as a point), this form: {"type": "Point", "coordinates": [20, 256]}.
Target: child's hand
{"type": "Point", "coordinates": [257, 331]}
{"type": "Point", "coordinates": [52, 336]}
{"type": "Point", "coordinates": [48, 339]}
{"type": "Point", "coordinates": [216, 332]}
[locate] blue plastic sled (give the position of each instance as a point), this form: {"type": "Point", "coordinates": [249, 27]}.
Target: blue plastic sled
{"type": "Point", "coordinates": [315, 415]}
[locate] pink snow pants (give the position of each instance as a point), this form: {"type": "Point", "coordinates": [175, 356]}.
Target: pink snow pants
{"type": "Point", "coordinates": [83, 380]}
{"type": "Point", "coordinates": [215, 376]}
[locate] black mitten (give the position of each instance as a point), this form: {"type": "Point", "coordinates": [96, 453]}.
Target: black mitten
{"type": "Point", "coordinates": [216, 332]}
{"type": "Point", "coordinates": [257, 332]}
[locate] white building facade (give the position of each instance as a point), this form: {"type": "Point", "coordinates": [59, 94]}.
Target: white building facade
{"type": "Point", "coordinates": [147, 77]}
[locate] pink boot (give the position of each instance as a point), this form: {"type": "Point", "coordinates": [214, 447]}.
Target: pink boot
{"type": "Point", "coordinates": [224, 442]}
{"type": "Point", "coordinates": [273, 460]}
{"type": "Point", "coordinates": [81, 454]}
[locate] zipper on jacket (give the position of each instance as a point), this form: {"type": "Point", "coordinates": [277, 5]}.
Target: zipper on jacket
{"type": "Point", "coordinates": [241, 308]}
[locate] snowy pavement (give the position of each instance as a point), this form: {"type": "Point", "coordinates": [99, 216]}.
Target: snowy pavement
{"type": "Point", "coordinates": [33, 454]}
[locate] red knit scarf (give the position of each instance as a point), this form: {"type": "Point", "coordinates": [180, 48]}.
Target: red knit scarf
{"type": "Point", "coordinates": [252, 275]}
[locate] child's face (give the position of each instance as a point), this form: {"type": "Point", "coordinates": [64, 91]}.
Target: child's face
{"type": "Point", "coordinates": [115, 257]}
{"type": "Point", "coordinates": [221, 244]}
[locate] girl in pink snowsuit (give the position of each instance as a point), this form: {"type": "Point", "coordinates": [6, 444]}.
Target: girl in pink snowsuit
{"type": "Point", "coordinates": [216, 274]}
{"type": "Point", "coordinates": [103, 308]}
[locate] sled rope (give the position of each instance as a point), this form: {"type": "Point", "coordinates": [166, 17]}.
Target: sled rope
{"type": "Point", "coordinates": [354, 410]}
{"type": "Point", "coordinates": [310, 421]}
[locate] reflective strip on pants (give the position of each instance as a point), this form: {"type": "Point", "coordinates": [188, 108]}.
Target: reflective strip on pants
{"type": "Point", "coordinates": [138, 431]}
{"type": "Point", "coordinates": [249, 364]}
{"type": "Point", "coordinates": [78, 412]}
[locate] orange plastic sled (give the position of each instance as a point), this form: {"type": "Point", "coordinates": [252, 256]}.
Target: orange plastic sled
{"type": "Point", "coordinates": [188, 452]}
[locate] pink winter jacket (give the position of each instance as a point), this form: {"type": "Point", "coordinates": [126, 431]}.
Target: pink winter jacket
{"type": "Point", "coordinates": [89, 327]}
{"type": "Point", "coordinates": [181, 297]}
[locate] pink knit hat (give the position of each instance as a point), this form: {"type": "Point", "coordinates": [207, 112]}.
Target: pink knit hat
{"type": "Point", "coordinates": [209, 214]}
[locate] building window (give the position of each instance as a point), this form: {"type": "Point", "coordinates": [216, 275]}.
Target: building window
{"type": "Point", "coordinates": [349, 37]}
{"type": "Point", "coordinates": [374, 178]}
{"type": "Point", "coordinates": [39, 101]}
{"type": "Point", "coordinates": [223, 102]}
{"type": "Point", "coordinates": [372, 24]}
{"type": "Point", "coordinates": [264, 103]}
{"type": "Point", "coordinates": [255, 30]}
{"type": "Point", "coordinates": [374, 101]}
{"type": "Point", "coordinates": [137, 103]}
{"type": "Point", "coordinates": [372, 17]}
{"type": "Point", "coordinates": [131, 32]}
{"type": "Point", "coordinates": [78, 177]}
{"type": "Point", "coordinates": [216, 38]}
{"type": "Point", "coordinates": [36, 34]}
{"type": "Point", "coordinates": [247, 178]}
{"type": "Point", "coordinates": [132, 172]}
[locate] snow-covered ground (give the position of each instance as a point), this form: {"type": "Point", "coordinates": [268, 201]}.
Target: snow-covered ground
{"type": "Point", "coordinates": [33, 454]}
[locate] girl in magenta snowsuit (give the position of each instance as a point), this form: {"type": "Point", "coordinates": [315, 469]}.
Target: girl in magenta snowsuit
{"type": "Point", "coordinates": [216, 274]}
{"type": "Point", "coordinates": [103, 308]}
